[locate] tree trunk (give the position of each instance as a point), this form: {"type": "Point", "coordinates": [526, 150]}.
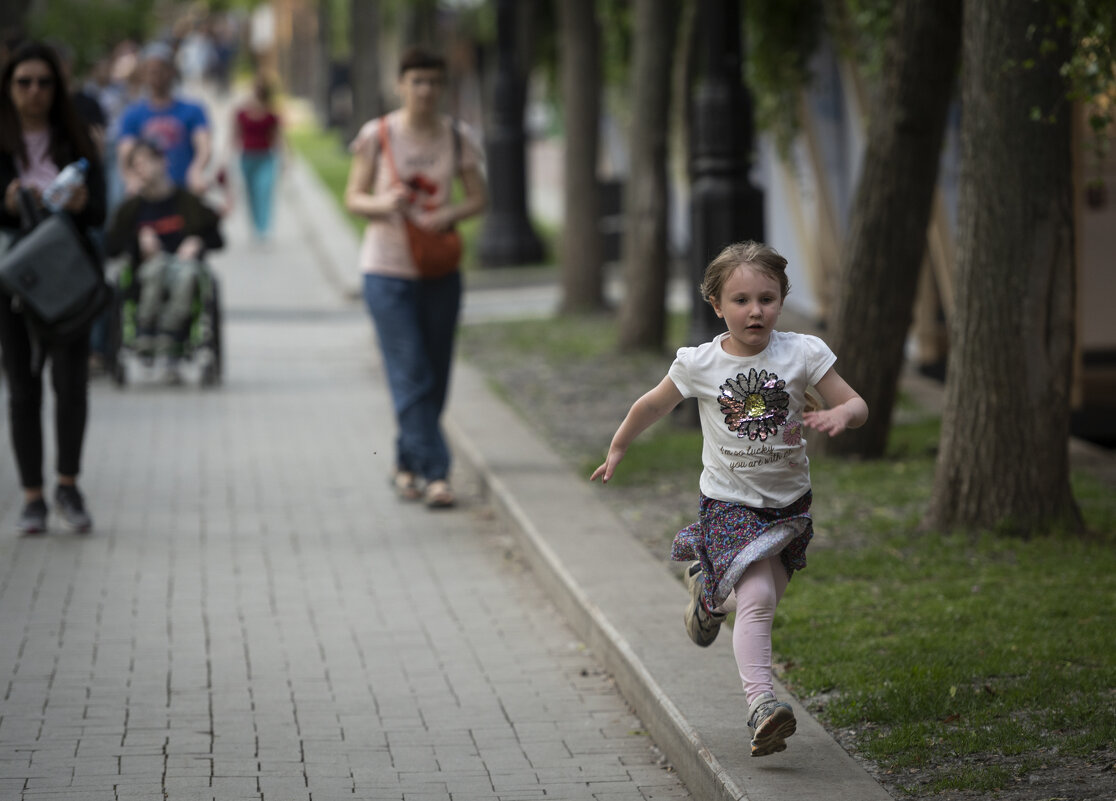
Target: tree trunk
{"type": "Point", "coordinates": [582, 254]}
{"type": "Point", "coordinates": [419, 25]}
{"type": "Point", "coordinates": [1004, 460]}
{"type": "Point", "coordinates": [646, 253]}
{"type": "Point", "coordinates": [891, 211]}
{"type": "Point", "coordinates": [324, 72]}
{"type": "Point", "coordinates": [364, 62]}
{"type": "Point", "coordinates": [13, 24]}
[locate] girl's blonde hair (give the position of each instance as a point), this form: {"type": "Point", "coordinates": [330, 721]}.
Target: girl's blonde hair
{"type": "Point", "coordinates": [757, 255]}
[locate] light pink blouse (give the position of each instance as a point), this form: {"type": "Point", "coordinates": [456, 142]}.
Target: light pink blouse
{"type": "Point", "coordinates": [426, 167]}
{"type": "Point", "coordinates": [39, 170]}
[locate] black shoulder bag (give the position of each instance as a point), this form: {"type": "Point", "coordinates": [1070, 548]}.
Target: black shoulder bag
{"type": "Point", "coordinates": [52, 277]}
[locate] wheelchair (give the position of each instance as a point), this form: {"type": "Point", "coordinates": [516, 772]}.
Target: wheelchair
{"type": "Point", "coordinates": [201, 348]}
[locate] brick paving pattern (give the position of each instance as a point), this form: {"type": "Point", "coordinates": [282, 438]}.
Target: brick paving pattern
{"type": "Point", "coordinates": [257, 617]}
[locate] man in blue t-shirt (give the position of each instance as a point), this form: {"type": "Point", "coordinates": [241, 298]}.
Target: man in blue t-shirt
{"type": "Point", "coordinates": [179, 127]}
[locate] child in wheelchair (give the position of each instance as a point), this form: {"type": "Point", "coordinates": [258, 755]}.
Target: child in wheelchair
{"type": "Point", "coordinates": [163, 233]}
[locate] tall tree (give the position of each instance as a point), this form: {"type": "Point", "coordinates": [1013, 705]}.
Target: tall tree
{"type": "Point", "coordinates": [364, 61]}
{"type": "Point", "coordinates": [646, 254]}
{"type": "Point", "coordinates": [13, 22]}
{"type": "Point", "coordinates": [891, 210]}
{"type": "Point", "coordinates": [582, 254]}
{"type": "Point", "coordinates": [1004, 460]}
{"type": "Point", "coordinates": [419, 23]}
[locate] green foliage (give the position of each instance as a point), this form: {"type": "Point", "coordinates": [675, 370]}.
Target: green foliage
{"type": "Point", "coordinates": [1091, 69]}
{"type": "Point", "coordinates": [782, 38]}
{"type": "Point", "coordinates": [477, 22]}
{"type": "Point", "coordinates": [339, 43]}
{"type": "Point", "coordinates": [860, 29]}
{"type": "Point", "coordinates": [616, 21]}
{"type": "Point", "coordinates": [91, 30]}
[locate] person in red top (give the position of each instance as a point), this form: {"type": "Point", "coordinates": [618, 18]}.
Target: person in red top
{"type": "Point", "coordinates": [258, 134]}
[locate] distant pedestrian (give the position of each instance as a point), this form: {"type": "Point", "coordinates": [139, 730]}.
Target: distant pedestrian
{"type": "Point", "coordinates": [409, 184]}
{"type": "Point", "coordinates": [754, 526]}
{"type": "Point", "coordinates": [257, 132]}
{"type": "Point", "coordinates": [40, 133]}
{"type": "Point", "coordinates": [180, 127]}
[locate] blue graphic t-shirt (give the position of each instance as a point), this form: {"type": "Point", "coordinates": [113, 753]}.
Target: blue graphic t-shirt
{"type": "Point", "coordinates": [171, 128]}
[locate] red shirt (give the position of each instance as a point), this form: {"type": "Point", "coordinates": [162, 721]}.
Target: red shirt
{"type": "Point", "coordinates": [257, 134]}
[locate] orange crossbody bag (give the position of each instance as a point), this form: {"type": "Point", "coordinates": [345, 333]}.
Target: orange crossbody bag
{"type": "Point", "coordinates": [435, 253]}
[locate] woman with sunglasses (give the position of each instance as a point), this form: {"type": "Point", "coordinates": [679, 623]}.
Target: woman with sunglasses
{"type": "Point", "coordinates": [40, 133]}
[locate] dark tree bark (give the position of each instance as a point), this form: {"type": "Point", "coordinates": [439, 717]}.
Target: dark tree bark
{"type": "Point", "coordinates": [13, 23]}
{"type": "Point", "coordinates": [364, 63]}
{"type": "Point", "coordinates": [582, 255]}
{"type": "Point", "coordinates": [419, 26]}
{"type": "Point", "coordinates": [1004, 461]}
{"type": "Point", "coordinates": [646, 254]}
{"type": "Point", "coordinates": [881, 259]}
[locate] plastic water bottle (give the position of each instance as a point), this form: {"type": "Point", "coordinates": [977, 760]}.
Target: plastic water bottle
{"type": "Point", "coordinates": [57, 195]}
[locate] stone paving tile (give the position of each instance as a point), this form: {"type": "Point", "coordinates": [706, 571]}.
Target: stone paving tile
{"type": "Point", "coordinates": [257, 617]}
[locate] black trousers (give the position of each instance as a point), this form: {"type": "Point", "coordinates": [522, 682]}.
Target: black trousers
{"type": "Point", "coordinates": [69, 372]}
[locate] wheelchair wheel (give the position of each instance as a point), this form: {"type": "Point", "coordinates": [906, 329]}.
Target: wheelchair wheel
{"type": "Point", "coordinates": [114, 340]}
{"type": "Point", "coordinates": [214, 369]}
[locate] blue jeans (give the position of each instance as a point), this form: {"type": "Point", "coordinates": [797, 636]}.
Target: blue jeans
{"type": "Point", "coordinates": [259, 179]}
{"type": "Point", "coordinates": [416, 322]}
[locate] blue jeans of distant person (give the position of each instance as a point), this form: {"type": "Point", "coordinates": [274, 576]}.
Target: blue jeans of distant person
{"type": "Point", "coordinates": [259, 171]}
{"type": "Point", "coordinates": [416, 322]}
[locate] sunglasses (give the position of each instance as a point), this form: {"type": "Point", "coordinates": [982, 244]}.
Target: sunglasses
{"type": "Point", "coordinates": [44, 82]}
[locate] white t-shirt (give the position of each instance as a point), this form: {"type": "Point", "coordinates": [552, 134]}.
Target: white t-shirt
{"type": "Point", "coordinates": [751, 416]}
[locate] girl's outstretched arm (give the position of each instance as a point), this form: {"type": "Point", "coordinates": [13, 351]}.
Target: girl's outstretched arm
{"type": "Point", "coordinates": [653, 406]}
{"type": "Point", "coordinates": [846, 408]}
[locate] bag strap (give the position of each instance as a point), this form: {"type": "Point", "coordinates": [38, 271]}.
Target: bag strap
{"type": "Point", "coordinates": [385, 147]}
{"type": "Point", "coordinates": [29, 216]}
{"type": "Point", "coordinates": [456, 146]}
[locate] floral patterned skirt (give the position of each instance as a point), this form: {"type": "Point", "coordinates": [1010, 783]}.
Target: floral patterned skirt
{"type": "Point", "coordinates": [730, 536]}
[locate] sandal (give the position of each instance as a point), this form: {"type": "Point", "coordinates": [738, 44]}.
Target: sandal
{"type": "Point", "coordinates": [439, 495]}
{"type": "Point", "coordinates": [406, 486]}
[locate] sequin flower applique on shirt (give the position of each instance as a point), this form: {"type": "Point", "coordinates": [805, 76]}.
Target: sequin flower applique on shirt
{"type": "Point", "coordinates": [754, 405]}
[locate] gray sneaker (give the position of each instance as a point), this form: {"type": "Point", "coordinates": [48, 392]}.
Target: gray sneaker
{"type": "Point", "coordinates": [701, 624]}
{"type": "Point", "coordinates": [33, 518]}
{"type": "Point", "coordinates": [771, 722]}
{"type": "Point", "coordinates": [71, 508]}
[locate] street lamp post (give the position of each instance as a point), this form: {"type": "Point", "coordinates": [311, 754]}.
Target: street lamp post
{"type": "Point", "coordinates": [725, 207]}
{"type": "Point", "coordinates": [507, 237]}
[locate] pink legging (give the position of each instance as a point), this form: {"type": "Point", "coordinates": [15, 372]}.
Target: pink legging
{"type": "Point", "coordinates": [757, 594]}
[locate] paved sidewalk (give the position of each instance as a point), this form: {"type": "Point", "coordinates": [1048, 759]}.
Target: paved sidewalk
{"type": "Point", "coordinates": [257, 617]}
{"type": "Point", "coordinates": [689, 698]}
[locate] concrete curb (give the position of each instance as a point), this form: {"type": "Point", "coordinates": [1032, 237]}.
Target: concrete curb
{"type": "Point", "coordinates": [690, 699]}
{"type": "Point", "coordinates": [677, 739]}
{"type": "Point", "coordinates": [668, 727]}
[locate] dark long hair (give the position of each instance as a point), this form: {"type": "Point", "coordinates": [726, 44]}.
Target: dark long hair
{"type": "Point", "coordinates": [69, 138]}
